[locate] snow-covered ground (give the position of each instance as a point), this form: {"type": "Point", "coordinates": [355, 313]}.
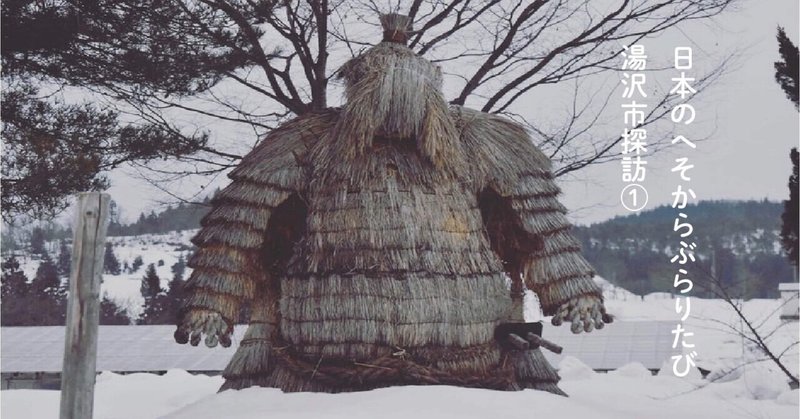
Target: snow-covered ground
{"type": "Point", "coordinates": [743, 386]}
{"type": "Point", "coordinates": [629, 393]}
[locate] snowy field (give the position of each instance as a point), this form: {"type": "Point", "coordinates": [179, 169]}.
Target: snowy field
{"type": "Point", "coordinates": [124, 289]}
{"type": "Point", "coordinates": [629, 393]}
{"type": "Point", "coordinates": [741, 383]}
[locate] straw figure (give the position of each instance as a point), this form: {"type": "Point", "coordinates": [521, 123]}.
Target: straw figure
{"type": "Point", "coordinates": [386, 242]}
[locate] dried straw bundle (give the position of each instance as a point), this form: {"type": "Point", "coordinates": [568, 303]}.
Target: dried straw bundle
{"type": "Point", "coordinates": [525, 199]}
{"type": "Point", "coordinates": [375, 242]}
{"type": "Point", "coordinates": [393, 93]}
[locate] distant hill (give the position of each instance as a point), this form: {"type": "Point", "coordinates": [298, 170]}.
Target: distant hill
{"type": "Point", "coordinates": [737, 240]}
{"type": "Point", "coordinates": [174, 218]}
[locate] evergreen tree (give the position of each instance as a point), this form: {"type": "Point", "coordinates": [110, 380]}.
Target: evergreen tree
{"type": "Point", "coordinates": [137, 263]}
{"type": "Point", "coordinates": [179, 268]}
{"type": "Point", "coordinates": [151, 283]}
{"type": "Point", "coordinates": [791, 213]}
{"type": "Point", "coordinates": [48, 297]}
{"type": "Point", "coordinates": [47, 281]}
{"type": "Point", "coordinates": [52, 150]}
{"type": "Point", "coordinates": [15, 305]}
{"type": "Point", "coordinates": [162, 307]}
{"type": "Point", "coordinates": [14, 284]}
{"type": "Point", "coordinates": [155, 307]}
{"type": "Point", "coordinates": [112, 314]}
{"type": "Point", "coordinates": [64, 258]}
{"type": "Point", "coordinates": [38, 241]}
{"type": "Point", "coordinates": [174, 299]}
{"type": "Point", "coordinates": [110, 261]}
{"type": "Point", "coordinates": [42, 302]}
{"type": "Point", "coordinates": [787, 71]}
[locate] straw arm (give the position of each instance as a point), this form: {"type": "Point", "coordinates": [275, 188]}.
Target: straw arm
{"type": "Point", "coordinates": [556, 271]}
{"type": "Point", "coordinates": [526, 224]}
{"type": "Point", "coordinates": [234, 239]}
{"type": "Point", "coordinates": [226, 267]}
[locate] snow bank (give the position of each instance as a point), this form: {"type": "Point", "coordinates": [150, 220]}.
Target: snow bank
{"type": "Point", "coordinates": [756, 381]}
{"type": "Point", "coordinates": [791, 397]}
{"type": "Point", "coordinates": [131, 396]}
{"type": "Point", "coordinates": [571, 368]}
{"type": "Point", "coordinates": [179, 395]}
{"type": "Point", "coordinates": [632, 370]}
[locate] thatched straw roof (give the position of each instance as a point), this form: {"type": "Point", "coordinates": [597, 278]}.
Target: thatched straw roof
{"type": "Point", "coordinates": [375, 241]}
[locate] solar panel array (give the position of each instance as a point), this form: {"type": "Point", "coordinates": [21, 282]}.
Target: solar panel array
{"type": "Point", "coordinates": [152, 348]}
{"type": "Point", "coordinates": [620, 343]}
{"type": "Point", "coordinates": [119, 349]}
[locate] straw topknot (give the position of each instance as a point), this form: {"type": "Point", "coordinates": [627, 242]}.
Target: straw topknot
{"type": "Point", "coordinates": [396, 27]}
{"type": "Point", "coordinates": [374, 243]}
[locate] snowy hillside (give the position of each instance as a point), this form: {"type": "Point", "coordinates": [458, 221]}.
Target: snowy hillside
{"type": "Point", "coordinates": [124, 288]}
{"type": "Point", "coordinates": [162, 250]}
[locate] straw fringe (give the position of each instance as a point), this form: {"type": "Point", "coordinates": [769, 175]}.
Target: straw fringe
{"type": "Point", "coordinates": [296, 373]}
{"type": "Point", "coordinates": [226, 267]}
{"type": "Point", "coordinates": [414, 312]}
{"type": "Point", "coordinates": [394, 22]}
{"type": "Point", "coordinates": [278, 159]}
{"type": "Point", "coordinates": [547, 254]}
{"type": "Point", "coordinates": [502, 154]}
{"type": "Point", "coordinates": [254, 216]}
{"type": "Point", "coordinates": [553, 294]}
{"type": "Point", "coordinates": [220, 258]}
{"type": "Point", "coordinates": [254, 194]}
{"type": "Point", "coordinates": [254, 356]}
{"type": "Point", "coordinates": [204, 298]}
{"type": "Point", "coordinates": [532, 370]}
{"type": "Point", "coordinates": [391, 92]}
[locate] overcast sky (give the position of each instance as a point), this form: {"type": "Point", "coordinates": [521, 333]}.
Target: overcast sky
{"type": "Point", "coordinates": [750, 123]}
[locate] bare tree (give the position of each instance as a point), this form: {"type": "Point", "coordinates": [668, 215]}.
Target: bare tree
{"type": "Point", "coordinates": [749, 329]}
{"type": "Point", "coordinates": [265, 60]}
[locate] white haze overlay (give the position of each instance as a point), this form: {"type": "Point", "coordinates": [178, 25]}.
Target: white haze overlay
{"type": "Point", "coordinates": [741, 384]}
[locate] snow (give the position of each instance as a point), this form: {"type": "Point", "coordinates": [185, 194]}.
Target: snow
{"type": "Point", "coordinates": [118, 396]}
{"type": "Point", "coordinates": [179, 395]}
{"type": "Point", "coordinates": [571, 368]}
{"type": "Point", "coordinates": [791, 397]}
{"type": "Point", "coordinates": [757, 383]}
{"type": "Point", "coordinates": [741, 383]}
{"type": "Point", "coordinates": [124, 288]}
{"type": "Point", "coordinates": [632, 370]}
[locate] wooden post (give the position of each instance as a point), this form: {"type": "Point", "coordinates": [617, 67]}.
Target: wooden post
{"type": "Point", "coordinates": [83, 309]}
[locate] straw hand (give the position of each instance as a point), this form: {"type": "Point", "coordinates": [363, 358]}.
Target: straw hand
{"type": "Point", "coordinates": [585, 312]}
{"type": "Point", "coordinates": [197, 322]}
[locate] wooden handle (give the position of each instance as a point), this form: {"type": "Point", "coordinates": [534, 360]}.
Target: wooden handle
{"type": "Point", "coordinates": [544, 343]}
{"type": "Point", "coordinates": [518, 342]}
